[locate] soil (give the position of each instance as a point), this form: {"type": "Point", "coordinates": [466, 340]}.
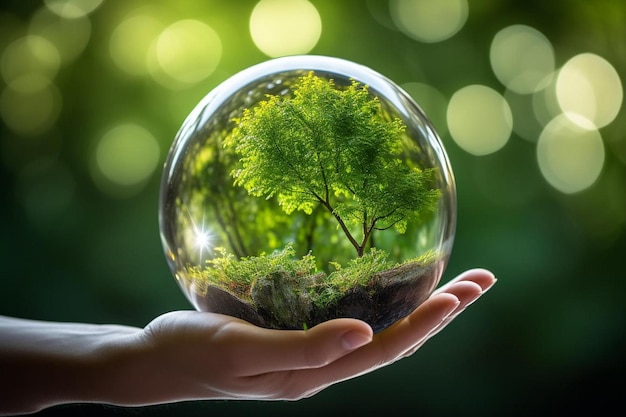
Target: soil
{"type": "Point", "coordinates": [393, 294]}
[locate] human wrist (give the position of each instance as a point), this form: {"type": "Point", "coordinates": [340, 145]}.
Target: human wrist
{"type": "Point", "coordinates": [46, 364]}
{"type": "Point", "coordinates": [109, 368]}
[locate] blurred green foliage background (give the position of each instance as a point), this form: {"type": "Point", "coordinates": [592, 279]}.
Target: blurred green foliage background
{"type": "Point", "coordinates": [93, 92]}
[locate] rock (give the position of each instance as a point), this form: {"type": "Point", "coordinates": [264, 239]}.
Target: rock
{"type": "Point", "coordinates": [282, 300]}
{"type": "Point", "coordinates": [357, 304]}
{"type": "Point", "coordinates": [216, 300]}
{"type": "Point", "coordinates": [393, 295]}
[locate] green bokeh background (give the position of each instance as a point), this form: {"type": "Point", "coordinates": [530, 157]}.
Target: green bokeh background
{"type": "Point", "coordinates": [548, 339]}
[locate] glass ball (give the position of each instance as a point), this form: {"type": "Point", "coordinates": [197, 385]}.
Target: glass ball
{"type": "Point", "coordinates": [307, 188]}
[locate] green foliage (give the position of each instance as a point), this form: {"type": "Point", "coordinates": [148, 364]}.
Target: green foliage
{"type": "Point", "coordinates": [238, 275]}
{"type": "Point", "coordinates": [358, 272]}
{"type": "Point", "coordinates": [332, 147]}
{"type": "Point", "coordinates": [210, 197]}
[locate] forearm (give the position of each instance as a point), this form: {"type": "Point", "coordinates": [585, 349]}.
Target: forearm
{"type": "Point", "coordinates": [44, 364]}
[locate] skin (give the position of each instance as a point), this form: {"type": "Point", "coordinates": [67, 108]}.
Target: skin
{"type": "Point", "coordinates": [189, 355]}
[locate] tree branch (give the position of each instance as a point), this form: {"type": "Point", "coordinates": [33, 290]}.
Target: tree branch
{"type": "Point", "coordinates": [343, 226]}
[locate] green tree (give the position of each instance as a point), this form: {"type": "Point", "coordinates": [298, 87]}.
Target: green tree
{"type": "Point", "coordinates": [331, 146]}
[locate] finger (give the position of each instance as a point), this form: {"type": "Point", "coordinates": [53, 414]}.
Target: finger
{"type": "Point", "coordinates": [466, 291]}
{"type": "Point", "coordinates": [386, 346]}
{"type": "Point", "coordinates": [484, 278]}
{"type": "Point", "coordinates": [467, 295]}
{"type": "Point", "coordinates": [259, 351]}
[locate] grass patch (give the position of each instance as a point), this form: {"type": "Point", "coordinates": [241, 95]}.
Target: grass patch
{"type": "Point", "coordinates": [238, 276]}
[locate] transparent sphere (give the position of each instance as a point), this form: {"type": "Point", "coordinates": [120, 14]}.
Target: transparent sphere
{"type": "Point", "coordinates": [307, 188]}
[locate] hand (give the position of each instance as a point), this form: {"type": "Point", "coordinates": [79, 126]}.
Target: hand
{"type": "Point", "coordinates": [189, 355]}
{"type": "Point", "coordinates": [192, 355]}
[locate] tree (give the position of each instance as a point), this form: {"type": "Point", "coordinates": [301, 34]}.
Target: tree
{"type": "Point", "coordinates": [331, 146]}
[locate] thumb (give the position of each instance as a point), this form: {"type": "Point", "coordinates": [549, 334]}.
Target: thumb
{"type": "Point", "coordinates": [331, 340]}
{"type": "Point", "coordinates": [266, 350]}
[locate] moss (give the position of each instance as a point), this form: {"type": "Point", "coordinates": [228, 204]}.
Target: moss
{"type": "Point", "coordinates": [286, 286]}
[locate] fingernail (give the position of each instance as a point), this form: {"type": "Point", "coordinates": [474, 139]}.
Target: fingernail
{"type": "Point", "coordinates": [353, 340]}
{"type": "Point", "coordinates": [491, 286]}
{"type": "Point", "coordinates": [470, 302]}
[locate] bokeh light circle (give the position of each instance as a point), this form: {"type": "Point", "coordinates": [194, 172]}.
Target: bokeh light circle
{"type": "Point", "coordinates": [127, 154]}
{"type": "Point", "coordinates": [570, 153]}
{"type": "Point", "coordinates": [285, 27]}
{"type": "Point", "coordinates": [589, 86]}
{"type": "Point", "coordinates": [29, 54]}
{"type": "Point", "coordinates": [32, 108]}
{"type": "Point", "coordinates": [479, 119]}
{"type": "Point", "coordinates": [188, 51]}
{"type": "Point", "coordinates": [525, 122]}
{"type": "Point", "coordinates": [69, 36]}
{"type": "Point", "coordinates": [522, 58]}
{"type": "Point", "coordinates": [545, 105]}
{"type": "Point", "coordinates": [130, 42]}
{"type": "Point", "coordinates": [429, 20]}
{"type": "Point", "coordinates": [71, 9]}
